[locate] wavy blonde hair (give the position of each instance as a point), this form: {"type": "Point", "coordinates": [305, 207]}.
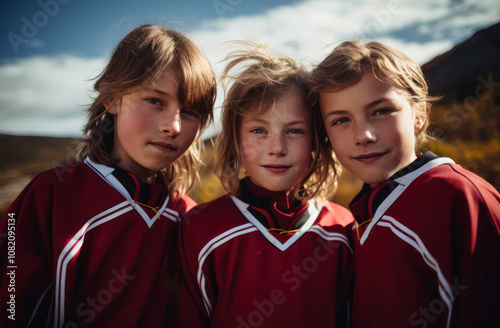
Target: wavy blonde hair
{"type": "Point", "coordinates": [348, 62]}
{"type": "Point", "coordinates": [140, 58]}
{"type": "Point", "coordinates": [262, 79]}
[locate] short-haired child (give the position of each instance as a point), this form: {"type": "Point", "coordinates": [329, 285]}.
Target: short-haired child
{"type": "Point", "coordinates": [269, 253]}
{"type": "Point", "coordinates": [93, 239]}
{"type": "Point", "coordinates": [427, 242]}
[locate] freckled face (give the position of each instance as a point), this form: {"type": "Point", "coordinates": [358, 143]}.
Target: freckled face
{"type": "Point", "coordinates": [276, 146]}
{"type": "Point", "coordinates": [371, 126]}
{"type": "Point", "coordinates": [152, 129]}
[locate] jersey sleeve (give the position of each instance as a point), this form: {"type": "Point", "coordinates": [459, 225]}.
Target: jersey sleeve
{"type": "Point", "coordinates": [26, 257]}
{"type": "Point", "coordinates": [477, 255]}
{"type": "Point", "coordinates": [346, 266]}
{"type": "Point", "coordinates": [191, 310]}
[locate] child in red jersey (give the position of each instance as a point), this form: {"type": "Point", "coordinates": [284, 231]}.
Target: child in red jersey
{"type": "Point", "coordinates": [269, 253]}
{"type": "Point", "coordinates": [427, 241]}
{"type": "Point", "coordinates": [93, 239]}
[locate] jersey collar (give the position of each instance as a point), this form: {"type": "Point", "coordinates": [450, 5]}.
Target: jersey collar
{"type": "Point", "coordinates": [128, 187]}
{"type": "Point", "coordinates": [272, 209]}
{"type": "Point", "coordinates": [311, 214]}
{"type": "Point", "coordinates": [366, 202]}
{"type": "Point", "coordinates": [401, 183]}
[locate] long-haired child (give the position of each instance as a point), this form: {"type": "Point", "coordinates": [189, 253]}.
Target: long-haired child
{"type": "Point", "coordinates": [269, 253]}
{"type": "Point", "coordinates": [93, 239]}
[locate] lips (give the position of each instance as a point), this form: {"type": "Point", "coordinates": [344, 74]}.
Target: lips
{"type": "Point", "coordinates": [163, 146]}
{"type": "Point", "coordinates": [276, 168]}
{"type": "Point", "coordinates": [369, 158]}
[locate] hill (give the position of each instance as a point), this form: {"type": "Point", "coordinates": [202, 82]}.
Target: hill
{"type": "Point", "coordinates": [22, 151]}
{"type": "Point", "coordinates": [466, 121]}
{"type": "Point", "coordinates": [470, 69]}
{"type": "Point", "coordinates": [23, 157]}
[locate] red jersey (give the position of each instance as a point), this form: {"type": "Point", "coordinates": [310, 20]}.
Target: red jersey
{"type": "Point", "coordinates": [81, 251]}
{"type": "Point", "coordinates": [240, 274]}
{"type": "Point", "coordinates": [427, 249]}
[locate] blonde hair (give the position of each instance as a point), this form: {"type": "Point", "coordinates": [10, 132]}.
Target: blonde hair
{"type": "Point", "coordinates": [140, 58]}
{"type": "Point", "coordinates": [349, 61]}
{"type": "Point", "coordinates": [264, 78]}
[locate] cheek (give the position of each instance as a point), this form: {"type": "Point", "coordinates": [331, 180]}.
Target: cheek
{"type": "Point", "coordinates": [403, 135]}
{"type": "Point", "coordinates": [337, 144]}
{"type": "Point", "coordinates": [130, 125]}
{"type": "Point", "coordinates": [304, 154]}
{"type": "Point", "coordinates": [250, 150]}
{"type": "Point", "coordinates": [190, 130]}
{"type": "Point", "coordinates": [331, 136]}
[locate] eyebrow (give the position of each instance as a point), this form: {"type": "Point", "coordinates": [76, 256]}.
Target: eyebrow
{"type": "Point", "coordinates": [258, 120]}
{"type": "Point", "coordinates": [370, 105]}
{"type": "Point", "coordinates": [296, 122]}
{"type": "Point", "coordinates": [376, 102]}
{"type": "Point", "coordinates": [158, 91]}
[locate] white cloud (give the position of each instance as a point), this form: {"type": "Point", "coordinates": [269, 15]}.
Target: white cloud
{"type": "Point", "coordinates": [46, 96]}
{"type": "Point", "coordinates": [43, 95]}
{"type": "Point", "coordinates": [309, 30]}
{"type": "Point", "coordinates": [304, 29]}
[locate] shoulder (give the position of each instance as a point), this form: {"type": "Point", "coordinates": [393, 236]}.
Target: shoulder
{"type": "Point", "coordinates": [454, 179]}
{"type": "Point", "coordinates": [451, 186]}
{"type": "Point", "coordinates": [475, 189]}
{"type": "Point", "coordinates": [61, 176]}
{"type": "Point", "coordinates": [211, 208]}
{"type": "Point", "coordinates": [54, 189]}
{"type": "Point", "coordinates": [218, 215]}
{"type": "Point", "coordinates": [336, 214]}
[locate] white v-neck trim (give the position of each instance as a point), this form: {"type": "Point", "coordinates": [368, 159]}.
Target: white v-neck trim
{"type": "Point", "coordinates": [312, 210]}
{"type": "Point", "coordinates": [403, 183]}
{"type": "Point", "coordinates": [105, 172]}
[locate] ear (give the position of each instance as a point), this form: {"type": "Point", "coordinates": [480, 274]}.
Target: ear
{"type": "Point", "coordinates": [420, 117]}
{"type": "Point", "coordinates": [111, 106]}
{"type": "Point", "coordinates": [419, 122]}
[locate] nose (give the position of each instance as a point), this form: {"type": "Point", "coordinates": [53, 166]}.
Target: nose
{"type": "Point", "coordinates": [171, 122]}
{"type": "Point", "coordinates": [365, 134]}
{"type": "Point", "coordinates": [277, 146]}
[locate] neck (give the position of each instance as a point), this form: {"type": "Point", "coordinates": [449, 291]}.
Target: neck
{"type": "Point", "coordinates": [283, 199]}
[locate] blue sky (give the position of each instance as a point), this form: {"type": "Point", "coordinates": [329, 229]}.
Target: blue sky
{"type": "Point", "coordinates": [51, 49]}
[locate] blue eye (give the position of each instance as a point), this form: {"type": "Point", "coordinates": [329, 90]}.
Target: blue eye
{"type": "Point", "coordinates": [382, 111]}
{"type": "Point", "coordinates": [259, 131]}
{"type": "Point", "coordinates": [340, 121]}
{"type": "Point", "coordinates": [153, 101]}
{"type": "Point", "coordinates": [190, 113]}
{"type": "Point", "coordinates": [295, 131]}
